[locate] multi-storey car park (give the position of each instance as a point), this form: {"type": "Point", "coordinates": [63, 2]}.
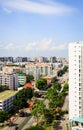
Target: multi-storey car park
{"type": "Point", "coordinates": [6, 99]}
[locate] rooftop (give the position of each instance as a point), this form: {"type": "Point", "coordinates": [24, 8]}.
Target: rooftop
{"type": "Point", "coordinates": [21, 74]}
{"type": "Point", "coordinates": [28, 85]}
{"type": "Point", "coordinates": [39, 64]}
{"type": "Point", "coordinates": [6, 94]}
{"type": "Point", "coordinates": [80, 120]}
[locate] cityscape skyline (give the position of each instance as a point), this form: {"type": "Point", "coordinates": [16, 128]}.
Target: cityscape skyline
{"type": "Point", "coordinates": [39, 28]}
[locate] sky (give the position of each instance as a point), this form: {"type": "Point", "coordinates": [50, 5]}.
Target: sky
{"type": "Point", "coordinates": [39, 27]}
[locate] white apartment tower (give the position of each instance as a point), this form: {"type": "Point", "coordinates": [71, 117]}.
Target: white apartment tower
{"type": "Point", "coordinates": [75, 80]}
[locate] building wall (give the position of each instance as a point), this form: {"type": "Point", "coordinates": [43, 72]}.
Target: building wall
{"type": "Point", "coordinates": [9, 80]}
{"type": "Point", "coordinates": [10, 69]}
{"type": "Point", "coordinates": [39, 69]}
{"type": "Point", "coordinates": [14, 81]}
{"type": "Point", "coordinates": [4, 80]}
{"type": "Point", "coordinates": [7, 103]}
{"type": "Point", "coordinates": [21, 79]}
{"type": "Point", "coordinates": [75, 80]}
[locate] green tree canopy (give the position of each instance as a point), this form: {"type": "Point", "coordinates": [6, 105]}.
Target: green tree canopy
{"type": "Point", "coordinates": [41, 83]}
{"type": "Point", "coordinates": [25, 93]}
{"type": "Point", "coordinates": [38, 109]}
{"type": "Point", "coordinates": [2, 88]}
{"type": "Point", "coordinates": [56, 98]}
{"type": "Point", "coordinates": [36, 128]}
{"type": "Point", "coordinates": [3, 116]}
{"type": "Point", "coordinates": [51, 94]}
{"type": "Point", "coordinates": [65, 68]}
{"type": "Point", "coordinates": [19, 104]}
{"type": "Point", "coordinates": [21, 98]}
{"type": "Point", "coordinates": [48, 116]}
{"type": "Point", "coordinates": [66, 87]}
{"type": "Point", "coordinates": [60, 73]}
{"type": "Point", "coordinates": [57, 86]}
{"type": "Point", "coordinates": [29, 78]}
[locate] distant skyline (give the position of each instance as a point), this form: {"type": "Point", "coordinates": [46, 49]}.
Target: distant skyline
{"type": "Point", "coordinates": [39, 27]}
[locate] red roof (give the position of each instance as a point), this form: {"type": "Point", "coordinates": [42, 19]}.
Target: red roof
{"type": "Point", "coordinates": [28, 85]}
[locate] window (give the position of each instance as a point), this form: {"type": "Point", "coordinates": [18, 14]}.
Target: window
{"type": "Point", "coordinates": [79, 85]}
{"type": "Point", "coordinates": [79, 57]}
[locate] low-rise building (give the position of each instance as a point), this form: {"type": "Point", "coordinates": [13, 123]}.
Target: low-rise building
{"type": "Point", "coordinates": [28, 85]}
{"type": "Point", "coordinates": [6, 99]}
{"type": "Point", "coordinates": [50, 79]}
{"type": "Point", "coordinates": [21, 79]}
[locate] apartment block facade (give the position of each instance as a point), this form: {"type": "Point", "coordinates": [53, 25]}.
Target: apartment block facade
{"type": "Point", "coordinates": [75, 80]}
{"type": "Point", "coordinates": [9, 80]}
{"type": "Point", "coordinates": [6, 100]}
{"type": "Point", "coordinates": [21, 79]}
{"type": "Point", "coordinates": [11, 69]}
{"type": "Point", "coordinates": [40, 69]}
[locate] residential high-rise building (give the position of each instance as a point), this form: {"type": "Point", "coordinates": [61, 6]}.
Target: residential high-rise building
{"type": "Point", "coordinates": [52, 59]}
{"type": "Point", "coordinates": [6, 59]}
{"type": "Point", "coordinates": [44, 68]}
{"type": "Point", "coordinates": [9, 80]}
{"type": "Point", "coordinates": [76, 81]}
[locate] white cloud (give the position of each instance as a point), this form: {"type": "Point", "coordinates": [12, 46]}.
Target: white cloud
{"type": "Point", "coordinates": [9, 46]}
{"type": "Point", "coordinates": [43, 45]}
{"type": "Point", "coordinates": [43, 7]}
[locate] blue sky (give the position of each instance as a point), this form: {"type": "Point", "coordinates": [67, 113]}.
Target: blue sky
{"type": "Point", "coordinates": [39, 27]}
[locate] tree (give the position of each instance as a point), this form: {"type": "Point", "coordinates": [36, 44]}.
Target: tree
{"type": "Point", "coordinates": [41, 83]}
{"type": "Point", "coordinates": [48, 115]}
{"type": "Point", "coordinates": [2, 88]}
{"type": "Point", "coordinates": [38, 109]}
{"type": "Point", "coordinates": [25, 93]}
{"type": "Point", "coordinates": [57, 86]}
{"type": "Point", "coordinates": [51, 94]}
{"type": "Point", "coordinates": [60, 73]}
{"type": "Point", "coordinates": [65, 68]}
{"type": "Point", "coordinates": [21, 98]}
{"type": "Point", "coordinates": [65, 89]}
{"type": "Point", "coordinates": [29, 78]}
{"type": "Point", "coordinates": [3, 116]}
{"type": "Point", "coordinates": [19, 104]}
{"type": "Point", "coordinates": [66, 86]}
{"type": "Point", "coordinates": [36, 128]}
{"type": "Point", "coordinates": [56, 99]}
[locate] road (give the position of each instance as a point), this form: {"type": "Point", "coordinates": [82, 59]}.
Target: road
{"type": "Point", "coordinates": [18, 122]}
{"type": "Point", "coordinates": [66, 103]}
{"type": "Point", "coordinates": [29, 123]}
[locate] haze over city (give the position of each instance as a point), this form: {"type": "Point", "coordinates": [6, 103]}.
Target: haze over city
{"type": "Point", "coordinates": [39, 27]}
